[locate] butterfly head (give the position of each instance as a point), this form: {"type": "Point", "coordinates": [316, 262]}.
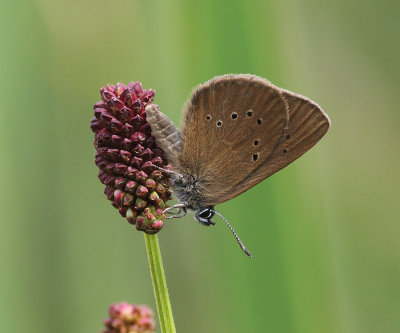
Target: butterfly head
{"type": "Point", "coordinates": [204, 215]}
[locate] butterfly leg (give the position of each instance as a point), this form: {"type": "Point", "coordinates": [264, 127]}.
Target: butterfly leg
{"type": "Point", "coordinates": [172, 172]}
{"type": "Point", "coordinates": [175, 216]}
{"type": "Point", "coordinates": [181, 207]}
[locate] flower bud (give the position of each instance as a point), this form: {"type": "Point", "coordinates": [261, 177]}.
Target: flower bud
{"type": "Point", "coordinates": [129, 318]}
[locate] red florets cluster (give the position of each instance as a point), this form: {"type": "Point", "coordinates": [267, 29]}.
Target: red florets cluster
{"type": "Point", "coordinates": [128, 156]}
{"type": "Point", "coordinates": [129, 318]}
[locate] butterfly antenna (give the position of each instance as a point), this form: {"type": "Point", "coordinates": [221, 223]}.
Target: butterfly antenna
{"type": "Point", "coordinates": [234, 233]}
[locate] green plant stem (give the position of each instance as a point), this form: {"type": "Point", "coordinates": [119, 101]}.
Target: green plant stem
{"type": "Point", "coordinates": [159, 284]}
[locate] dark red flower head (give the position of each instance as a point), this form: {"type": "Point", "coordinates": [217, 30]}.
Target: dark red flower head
{"type": "Point", "coordinates": [128, 156]}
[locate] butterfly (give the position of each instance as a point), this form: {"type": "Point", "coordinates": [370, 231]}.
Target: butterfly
{"type": "Point", "coordinates": [237, 130]}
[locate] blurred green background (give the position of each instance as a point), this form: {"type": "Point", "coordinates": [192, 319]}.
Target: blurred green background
{"type": "Point", "coordinates": [324, 231]}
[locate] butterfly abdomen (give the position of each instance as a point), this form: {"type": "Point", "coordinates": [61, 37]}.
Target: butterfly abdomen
{"type": "Point", "coordinates": [164, 132]}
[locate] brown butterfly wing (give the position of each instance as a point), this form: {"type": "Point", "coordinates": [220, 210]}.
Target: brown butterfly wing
{"type": "Point", "coordinates": [307, 125]}
{"type": "Point", "coordinates": [232, 124]}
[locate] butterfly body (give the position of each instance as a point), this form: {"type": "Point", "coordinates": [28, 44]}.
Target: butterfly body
{"type": "Point", "coordinates": [187, 184]}
{"type": "Point", "coordinates": [238, 129]}
{"type": "Point", "coordinates": [188, 189]}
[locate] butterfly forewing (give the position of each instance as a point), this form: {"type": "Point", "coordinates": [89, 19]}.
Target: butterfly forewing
{"type": "Point", "coordinates": [232, 125]}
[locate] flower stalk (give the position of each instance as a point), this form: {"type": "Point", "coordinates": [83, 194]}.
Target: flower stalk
{"type": "Point", "coordinates": [159, 284]}
{"type": "Point", "coordinates": [131, 167]}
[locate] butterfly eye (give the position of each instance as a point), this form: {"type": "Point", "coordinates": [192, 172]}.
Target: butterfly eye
{"type": "Point", "coordinates": [219, 123]}
{"type": "Point", "coordinates": [255, 157]}
{"type": "Point", "coordinates": [208, 117]}
{"type": "Point", "coordinates": [234, 115]}
{"type": "Point", "coordinates": [206, 214]}
{"type": "Point", "coordinates": [256, 142]}
{"type": "Point", "coordinates": [285, 151]}
{"type": "Point", "coordinates": [249, 113]}
{"type": "Point", "coordinates": [259, 121]}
